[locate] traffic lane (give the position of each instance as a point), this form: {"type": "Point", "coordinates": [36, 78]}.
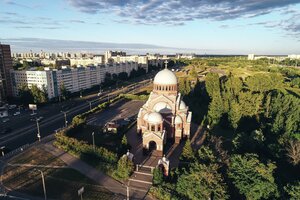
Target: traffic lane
{"type": "Point", "coordinates": [13, 142]}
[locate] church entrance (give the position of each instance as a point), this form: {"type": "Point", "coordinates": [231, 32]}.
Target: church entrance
{"type": "Point", "coordinates": [152, 146]}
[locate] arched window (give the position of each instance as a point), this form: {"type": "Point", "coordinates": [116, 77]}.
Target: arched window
{"type": "Point", "coordinates": [152, 127]}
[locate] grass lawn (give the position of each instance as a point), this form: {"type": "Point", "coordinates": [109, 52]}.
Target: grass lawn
{"type": "Point", "coordinates": [110, 141]}
{"type": "Point", "coordinates": [36, 156]}
{"type": "Point", "coordinates": [61, 183]}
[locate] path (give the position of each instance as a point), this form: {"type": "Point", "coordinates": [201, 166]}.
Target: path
{"type": "Point", "coordinates": [99, 177]}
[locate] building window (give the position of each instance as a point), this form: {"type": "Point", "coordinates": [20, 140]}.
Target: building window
{"type": "Point", "coordinates": [152, 127]}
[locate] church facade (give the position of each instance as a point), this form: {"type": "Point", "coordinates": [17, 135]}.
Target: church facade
{"type": "Point", "coordinates": [164, 116]}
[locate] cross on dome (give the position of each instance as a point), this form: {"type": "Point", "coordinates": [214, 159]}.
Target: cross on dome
{"type": "Point", "coordinates": [166, 64]}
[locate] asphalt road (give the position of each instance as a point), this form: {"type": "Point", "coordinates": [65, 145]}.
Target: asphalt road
{"type": "Point", "coordinates": [53, 119]}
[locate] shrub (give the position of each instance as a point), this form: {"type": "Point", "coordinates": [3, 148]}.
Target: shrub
{"type": "Point", "coordinates": [125, 168]}
{"type": "Point", "coordinates": [157, 176]}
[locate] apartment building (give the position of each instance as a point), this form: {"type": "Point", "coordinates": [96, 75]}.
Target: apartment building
{"type": "Point", "coordinates": [73, 78]}
{"type": "Point", "coordinates": [5, 66]}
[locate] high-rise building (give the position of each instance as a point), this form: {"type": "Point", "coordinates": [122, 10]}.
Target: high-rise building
{"type": "Point", "coordinates": [5, 66]}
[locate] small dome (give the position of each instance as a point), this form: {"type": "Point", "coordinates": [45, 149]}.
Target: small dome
{"type": "Point", "coordinates": [165, 77]}
{"type": "Point", "coordinates": [155, 118]}
{"type": "Point", "coordinates": [162, 107]}
{"type": "Point", "coordinates": [178, 120]}
{"type": "Point", "coordinates": [145, 116]}
{"type": "Point", "coordinates": [182, 105]}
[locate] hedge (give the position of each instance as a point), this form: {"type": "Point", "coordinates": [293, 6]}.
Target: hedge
{"type": "Point", "coordinates": [78, 148]}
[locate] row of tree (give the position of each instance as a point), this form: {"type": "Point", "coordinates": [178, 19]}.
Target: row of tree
{"type": "Point", "coordinates": [33, 94]}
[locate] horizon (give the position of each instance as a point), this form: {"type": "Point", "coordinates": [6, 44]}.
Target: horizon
{"type": "Point", "coordinates": [224, 28]}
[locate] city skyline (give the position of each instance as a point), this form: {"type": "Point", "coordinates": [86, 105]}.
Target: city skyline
{"type": "Point", "coordinates": [206, 27]}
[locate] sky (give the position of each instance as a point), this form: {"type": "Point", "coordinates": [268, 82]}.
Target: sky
{"type": "Point", "coordinates": [162, 26]}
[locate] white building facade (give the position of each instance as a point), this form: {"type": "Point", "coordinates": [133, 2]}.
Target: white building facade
{"type": "Point", "coordinates": [74, 79]}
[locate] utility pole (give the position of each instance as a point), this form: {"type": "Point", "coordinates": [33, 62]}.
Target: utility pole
{"type": "Point", "coordinates": [44, 185]}
{"type": "Point", "coordinates": [93, 135]}
{"type": "Point", "coordinates": [38, 129]}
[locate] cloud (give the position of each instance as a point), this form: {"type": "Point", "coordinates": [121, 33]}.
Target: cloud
{"type": "Point", "coordinates": [77, 21]}
{"type": "Point", "coordinates": [177, 12]}
{"type": "Point", "coordinates": [52, 45]}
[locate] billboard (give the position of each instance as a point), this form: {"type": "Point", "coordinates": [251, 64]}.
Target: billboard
{"type": "Point", "coordinates": [32, 106]}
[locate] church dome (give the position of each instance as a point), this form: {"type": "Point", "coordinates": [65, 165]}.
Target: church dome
{"type": "Point", "coordinates": [162, 107]}
{"type": "Point", "coordinates": [182, 105]}
{"type": "Point", "coordinates": [178, 120]}
{"type": "Point", "coordinates": [165, 77]}
{"type": "Point", "coordinates": [155, 118]}
{"type": "Point", "coordinates": [145, 116]}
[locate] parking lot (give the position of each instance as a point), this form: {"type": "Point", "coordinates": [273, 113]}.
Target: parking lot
{"type": "Point", "coordinates": [121, 110]}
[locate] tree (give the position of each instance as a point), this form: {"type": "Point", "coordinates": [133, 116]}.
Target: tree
{"type": "Point", "coordinates": [293, 191]}
{"type": "Point", "coordinates": [78, 120]}
{"type": "Point", "coordinates": [65, 94]}
{"type": "Point", "coordinates": [293, 151]}
{"type": "Point", "coordinates": [123, 76]}
{"type": "Point", "coordinates": [212, 84]}
{"type": "Point", "coordinates": [25, 95]}
{"type": "Point", "coordinates": [124, 140]}
{"type": "Point", "coordinates": [187, 152]}
{"type": "Point", "coordinates": [125, 168]}
{"type": "Point", "coordinates": [157, 176]}
{"type": "Point", "coordinates": [39, 95]}
{"type": "Point", "coordinates": [193, 73]}
{"type": "Point", "coordinates": [184, 86]}
{"type": "Point", "coordinates": [201, 182]}
{"type": "Point", "coordinates": [251, 177]}
{"type": "Point", "coordinates": [215, 109]}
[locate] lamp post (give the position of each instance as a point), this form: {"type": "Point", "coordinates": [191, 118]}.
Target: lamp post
{"type": "Point", "coordinates": [93, 135]}
{"type": "Point", "coordinates": [65, 115]}
{"type": "Point", "coordinates": [44, 185]}
{"type": "Point", "coordinates": [90, 103]}
{"type": "Point", "coordinates": [2, 150]}
{"type": "Point", "coordinates": [38, 129]}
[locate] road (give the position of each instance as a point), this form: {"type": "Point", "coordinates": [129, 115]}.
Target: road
{"type": "Point", "coordinates": [28, 134]}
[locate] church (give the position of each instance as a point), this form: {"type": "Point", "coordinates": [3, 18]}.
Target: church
{"type": "Point", "coordinates": [164, 116]}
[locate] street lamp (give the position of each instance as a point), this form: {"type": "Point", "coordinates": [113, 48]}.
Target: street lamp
{"type": "Point", "coordinates": [2, 150]}
{"type": "Point", "coordinates": [65, 115]}
{"type": "Point", "coordinates": [90, 103]}
{"type": "Point", "coordinates": [38, 129]}
{"type": "Point", "coordinates": [93, 134]}
{"type": "Point", "coordinates": [44, 186]}
{"type": "Point", "coordinates": [127, 191]}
